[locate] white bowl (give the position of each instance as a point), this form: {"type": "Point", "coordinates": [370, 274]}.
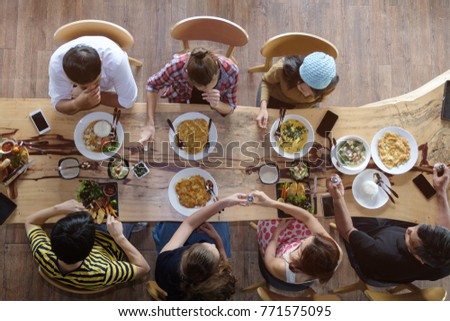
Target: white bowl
{"type": "Point", "coordinates": [306, 147]}
{"type": "Point", "coordinates": [186, 173]}
{"type": "Point", "coordinates": [371, 203]}
{"type": "Point", "coordinates": [414, 151]}
{"type": "Point", "coordinates": [212, 136]}
{"type": "Point", "coordinates": [348, 169]}
{"type": "Point", "coordinates": [81, 126]}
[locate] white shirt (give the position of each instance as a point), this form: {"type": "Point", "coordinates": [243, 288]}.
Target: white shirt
{"type": "Point", "coordinates": [116, 71]}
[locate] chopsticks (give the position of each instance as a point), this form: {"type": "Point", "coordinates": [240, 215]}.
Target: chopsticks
{"type": "Point", "coordinates": [282, 114]}
{"type": "Point", "coordinates": [116, 116]}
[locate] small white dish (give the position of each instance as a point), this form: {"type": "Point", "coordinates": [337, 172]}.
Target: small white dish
{"type": "Point", "coordinates": [269, 174]}
{"type": "Point", "coordinates": [346, 169]}
{"type": "Point", "coordinates": [380, 198]}
{"type": "Point", "coordinates": [140, 169]}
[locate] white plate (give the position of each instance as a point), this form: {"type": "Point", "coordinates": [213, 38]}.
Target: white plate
{"type": "Point", "coordinates": [348, 170]}
{"type": "Point", "coordinates": [186, 173]}
{"type": "Point", "coordinates": [309, 140]}
{"type": "Point", "coordinates": [379, 200]}
{"type": "Point", "coordinates": [212, 136]}
{"type": "Point", "coordinates": [414, 152]}
{"type": "Point", "coordinates": [81, 126]}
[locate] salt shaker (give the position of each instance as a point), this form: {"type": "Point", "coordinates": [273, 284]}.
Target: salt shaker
{"type": "Point", "coordinates": [440, 168]}
{"type": "Point", "coordinates": [335, 179]}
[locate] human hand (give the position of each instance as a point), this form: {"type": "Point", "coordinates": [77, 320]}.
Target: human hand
{"type": "Point", "coordinates": [336, 190]}
{"type": "Point", "coordinates": [147, 134]}
{"type": "Point", "coordinates": [260, 198]}
{"type": "Point", "coordinates": [440, 183]}
{"type": "Point", "coordinates": [114, 227]}
{"type": "Point", "coordinates": [76, 91]}
{"type": "Point", "coordinates": [88, 98]}
{"type": "Point", "coordinates": [262, 118]}
{"type": "Point", "coordinates": [212, 97]}
{"type": "Point", "coordinates": [70, 206]}
{"type": "Point", "coordinates": [235, 199]}
{"type": "Point", "coordinates": [209, 230]}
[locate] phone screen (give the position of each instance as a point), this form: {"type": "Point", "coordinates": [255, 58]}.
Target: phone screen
{"type": "Point", "coordinates": [424, 186]}
{"type": "Point", "coordinates": [446, 102]}
{"type": "Point", "coordinates": [39, 120]}
{"type": "Point", "coordinates": [327, 206]}
{"type": "Point", "coordinates": [327, 123]}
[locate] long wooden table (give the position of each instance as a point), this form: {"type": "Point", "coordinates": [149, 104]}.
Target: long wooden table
{"type": "Point", "coordinates": [244, 147]}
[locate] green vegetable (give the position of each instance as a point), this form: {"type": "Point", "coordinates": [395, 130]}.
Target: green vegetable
{"type": "Point", "coordinates": [111, 147]}
{"type": "Point", "coordinates": [88, 192]}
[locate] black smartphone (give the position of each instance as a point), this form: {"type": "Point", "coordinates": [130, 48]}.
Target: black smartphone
{"type": "Point", "coordinates": [7, 207]}
{"type": "Point", "coordinates": [327, 206]}
{"type": "Point", "coordinates": [424, 186]}
{"type": "Point", "coordinates": [445, 114]}
{"type": "Point", "coordinates": [327, 123]}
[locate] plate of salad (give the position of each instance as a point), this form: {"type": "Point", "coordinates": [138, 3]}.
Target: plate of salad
{"type": "Point", "coordinates": [295, 193]}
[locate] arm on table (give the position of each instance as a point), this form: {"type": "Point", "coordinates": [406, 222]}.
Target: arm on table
{"type": "Point", "coordinates": [441, 186]}
{"type": "Point", "coordinates": [148, 133]}
{"type": "Point", "coordinates": [115, 229]}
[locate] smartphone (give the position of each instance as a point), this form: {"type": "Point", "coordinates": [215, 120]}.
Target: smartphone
{"type": "Point", "coordinates": [40, 122]}
{"type": "Point", "coordinates": [327, 123]}
{"type": "Point", "coordinates": [7, 207]}
{"type": "Point", "coordinates": [445, 113]}
{"type": "Point", "coordinates": [424, 186]}
{"type": "Point", "coordinates": [327, 206]}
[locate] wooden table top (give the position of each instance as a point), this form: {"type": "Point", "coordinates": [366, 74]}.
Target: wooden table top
{"type": "Point", "coordinates": [243, 147]}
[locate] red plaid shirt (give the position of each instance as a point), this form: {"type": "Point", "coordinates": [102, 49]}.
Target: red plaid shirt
{"type": "Point", "coordinates": [174, 77]}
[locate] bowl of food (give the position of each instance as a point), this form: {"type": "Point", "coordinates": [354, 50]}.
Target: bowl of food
{"type": "Point", "coordinates": [7, 146]}
{"type": "Point", "coordinates": [118, 168]}
{"type": "Point", "coordinates": [299, 170]}
{"type": "Point", "coordinates": [140, 169]}
{"type": "Point", "coordinates": [295, 139]}
{"type": "Point", "coordinates": [394, 150]}
{"type": "Point", "coordinates": [187, 190]}
{"type": "Point", "coordinates": [351, 155]}
{"type": "Point", "coordinates": [93, 137]}
{"type": "Point", "coordinates": [192, 130]}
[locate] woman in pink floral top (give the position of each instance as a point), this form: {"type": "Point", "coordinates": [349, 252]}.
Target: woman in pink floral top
{"type": "Point", "coordinates": [296, 250]}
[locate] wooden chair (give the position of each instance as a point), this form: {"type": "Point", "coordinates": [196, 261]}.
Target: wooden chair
{"type": "Point", "coordinates": [429, 294]}
{"type": "Point", "coordinates": [80, 28]}
{"type": "Point", "coordinates": [210, 28]}
{"type": "Point", "coordinates": [290, 44]}
{"type": "Point", "coordinates": [266, 295]}
{"type": "Point", "coordinates": [68, 288]}
{"type": "Point", "coordinates": [155, 291]}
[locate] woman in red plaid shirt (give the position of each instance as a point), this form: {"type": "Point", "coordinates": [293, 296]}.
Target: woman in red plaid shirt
{"type": "Point", "coordinates": [198, 77]}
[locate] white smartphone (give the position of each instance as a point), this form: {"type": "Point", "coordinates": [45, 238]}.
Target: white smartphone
{"type": "Point", "coordinates": [40, 122]}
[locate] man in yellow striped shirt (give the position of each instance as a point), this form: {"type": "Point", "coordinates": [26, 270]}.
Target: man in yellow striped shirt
{"type": "Point", "coordinates": [78, 255]}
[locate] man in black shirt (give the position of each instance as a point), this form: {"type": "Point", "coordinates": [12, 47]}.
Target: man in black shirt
{"type": "Point", "coordinates": [394, 251]}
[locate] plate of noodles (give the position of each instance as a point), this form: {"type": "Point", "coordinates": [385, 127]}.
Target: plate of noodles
{"type": "Point", "coordinates": [297, 137]}
{"type": "Point", "coordinates": [92, 136]}
{"type": "Point", "coordinates": [366, 192]}
{"type": "Point", "coordinates": [187, 191]}
{"type": "Point", "coordinates": [394, 150]}
{"type": "Point", "coordinates": [192, 129]}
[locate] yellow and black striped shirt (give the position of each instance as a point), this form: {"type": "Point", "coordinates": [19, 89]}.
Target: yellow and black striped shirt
{"type": "Point", "coordinates": [103, 267]}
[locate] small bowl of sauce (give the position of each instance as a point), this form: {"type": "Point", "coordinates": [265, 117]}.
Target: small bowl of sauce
{"type": "Point", "coordinates": [269, 173]}
{"type": "Point", "coordinates": [7, 146]}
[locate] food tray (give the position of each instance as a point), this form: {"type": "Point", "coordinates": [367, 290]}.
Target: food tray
{"type": "Point", "coordinates": [308, 203]}
{"type": "Point", "coordinates": [111, 200]}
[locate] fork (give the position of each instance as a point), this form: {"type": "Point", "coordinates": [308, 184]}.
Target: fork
{"type": "Point", "coordinates": [278, 131]}
{"type": "Point", "coordinates": [206, 147]}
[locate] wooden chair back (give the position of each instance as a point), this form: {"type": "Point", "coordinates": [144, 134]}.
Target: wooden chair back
{"type": "Point", "coordinates": [309, 295]}
{"type": "Point", "coordinates": [155, 291]}
{"type": "Point", "coordinates": [68, 288]}
{"type": "Point", "coordinates": [292, 44]}
{"type": "Point", "coordinates": [428, 294]}
{"type": "Point", "coordinates": [209, 28]}
{"type": "Point", "coordinates": [80, 28]}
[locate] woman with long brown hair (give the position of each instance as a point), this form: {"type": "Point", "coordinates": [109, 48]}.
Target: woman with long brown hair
{"type": "Point", "coordinates": [296, 250]}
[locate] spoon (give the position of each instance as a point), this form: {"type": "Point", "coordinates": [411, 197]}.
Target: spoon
{"type": "Point", "coordinates": [206, 147]}
{"type": "Point", "coordinates": [379, 179]}
{"type": "Point", "coordinates": [380, 183]}
{"type": "Point", "coordinates": [83, 165]}
{"type": "Point", "coordinates": [210, 189]}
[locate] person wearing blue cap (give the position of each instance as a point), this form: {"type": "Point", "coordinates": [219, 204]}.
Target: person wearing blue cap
{"type": "Point", "coordinates": [297, 82]}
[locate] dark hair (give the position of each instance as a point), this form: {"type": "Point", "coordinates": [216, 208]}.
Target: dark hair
{"type": "Point", "coordinates": [435, 248]}
{"type": "Point", "coordinates": [292, 76]}
{"type": "Point", "coordinates": [73, 236]}
{"type": "Point", "coordinates": [82, 64]}
{"type": "Point", "coordinates": [202, 66]}
{"type": "Point", "coordinates": [204, 276]}
{"type": "Point", "coordinates": [319, 259]}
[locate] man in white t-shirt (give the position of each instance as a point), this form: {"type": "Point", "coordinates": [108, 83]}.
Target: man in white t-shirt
{"type": "Point", "coordinates": [89, 71]}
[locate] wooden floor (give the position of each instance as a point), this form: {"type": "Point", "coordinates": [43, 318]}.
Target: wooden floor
{"type": "Point", "coordinates": [386, 48]}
